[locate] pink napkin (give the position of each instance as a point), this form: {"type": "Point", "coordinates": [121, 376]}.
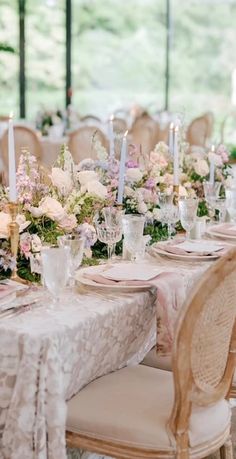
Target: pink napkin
{"type": "Point", "coordinates": [225, 229]}
{"type": "Point", "coordinates": [170, 297]}
{"type": "Point", "coordinates": [172, 247]}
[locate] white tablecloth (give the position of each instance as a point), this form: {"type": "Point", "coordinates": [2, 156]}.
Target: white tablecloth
{"type": "Point", "coordinates": [46, 356]}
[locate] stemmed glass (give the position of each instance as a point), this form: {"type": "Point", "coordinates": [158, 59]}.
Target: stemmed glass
{"type": "Point", "coordinates": [188, 213]}
{"type": "Point", "coordinates": [169, 212]}
{"type": "Point", "coordinates": [55, 272]}
{"type": "Point", "coordinates": [75, 245]}
{"type": "Point", "coordinates": [211, 192]}
{"type": "Point", "coordinates": [109, 230]}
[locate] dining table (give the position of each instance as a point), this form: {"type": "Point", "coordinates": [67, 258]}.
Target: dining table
{"type": "Point", "coordinates": [50, 352]}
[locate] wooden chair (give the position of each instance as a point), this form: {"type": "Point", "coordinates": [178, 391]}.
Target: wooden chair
{"type": "Point", "coordinates": [119, 125]}
{"type": "Point", "coordinates": [81, 142]}
{"type": "Point", "coordinates": [141, 412]}
{"type": "Point", "coordinates": [200, 130]}
{"type": "Point", "coordinates": [90, 119]}
{"type": "Point", "coordinates": [25, 137]}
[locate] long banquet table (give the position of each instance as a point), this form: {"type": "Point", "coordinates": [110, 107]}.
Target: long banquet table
{"type": "Point", "coordinates": [48, 354]}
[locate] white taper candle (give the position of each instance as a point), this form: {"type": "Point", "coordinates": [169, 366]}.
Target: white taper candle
{"type": "Point", "coordinates": [176, 157]}
{"type": "Point", "coordinates": [122, 169]}
{"type": "Point", "coordinates": [11, 161]}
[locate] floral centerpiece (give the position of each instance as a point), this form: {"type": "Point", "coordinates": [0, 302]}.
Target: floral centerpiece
{"type": "Point", "coordinates": [67, 200]}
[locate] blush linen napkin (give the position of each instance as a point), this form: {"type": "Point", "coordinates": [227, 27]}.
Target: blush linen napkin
{"type": "Point", "coordinates": [169, 299]}
{"type": "Point", "coordinates": [177, 247]}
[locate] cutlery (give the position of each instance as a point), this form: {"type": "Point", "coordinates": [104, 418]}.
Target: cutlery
{"type": "Point", "coordinates": [15, 310]}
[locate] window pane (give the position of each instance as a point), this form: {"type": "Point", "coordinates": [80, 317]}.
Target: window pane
{"type": "Point", "coordinates": [45, 55]}
{"type": "Point", "coordinates": [118, 54]}
{"type": "Point", "coordinates": [202, 56]}
{"type": "Point", "coordinates": [9, 57]}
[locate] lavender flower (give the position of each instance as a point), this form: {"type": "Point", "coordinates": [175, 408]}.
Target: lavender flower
{"type": "Point", "coordinates": [6, 260]}
{"type": "Point", "coordinates": [89, 233]}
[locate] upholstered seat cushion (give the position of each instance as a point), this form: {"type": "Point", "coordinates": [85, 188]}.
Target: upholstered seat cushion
{"type": "Point", "coordinates": [133, 406]}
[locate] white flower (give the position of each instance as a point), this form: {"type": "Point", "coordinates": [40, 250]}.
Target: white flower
{"type": "Point", "coordinates": [182, 191]}
{"type": "Point", "coordinates": [68, 222]}
{"type": "Point", "coordinates": [142, 208]}
{"type": "Point", "coordinates": [61, 180]}
{"type": "Point", "coordinates": [157, 214]}
{"type": "Point", "coordinates": [100, 150]}
{"type": "Point", "coordinates": [134, 174]}
{"type": "Point", "coordinates": [87, 176]}
{"type": "Point", "coordinates": [96, 188]}
{"type": "Point", "coordinates": [51, 208]}
{"type": "Point", "coordinates": [5, 219]}
{"type": "Point", "coordinates": [201, 167]}
{"type": "Point", "coordinates": [36, 243]}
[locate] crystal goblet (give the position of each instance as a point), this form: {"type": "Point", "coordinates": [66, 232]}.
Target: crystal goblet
{"type": "Point", "coordinates": [55, 270]}
{"type": "Point", "coordinates": [75, 244]}
{"type": "Point", "coordinates": [188, 213]}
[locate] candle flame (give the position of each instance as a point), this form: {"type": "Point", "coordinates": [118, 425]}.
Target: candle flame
{"type": "Point", "coordinates": [213, 148]}
{"type": "Point", "coordinates": [112, 117]}
{"type": "Point", "coordinates": [10, 115]}
{"type": "Point", "coordinates": [172, 126]}
{"type": "Point", "coordinates": [126, 133]}
{"type": "Point", "coordinates": [176, 128]}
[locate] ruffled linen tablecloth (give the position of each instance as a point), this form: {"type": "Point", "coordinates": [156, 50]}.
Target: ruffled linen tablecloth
{"type": "Point", "coordinates": [48, 355]}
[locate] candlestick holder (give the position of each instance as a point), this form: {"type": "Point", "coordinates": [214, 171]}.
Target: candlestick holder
{"type": "Point", "coordinates": [14, 238]}
{"type": "Point", "coordinates": [176, 195]}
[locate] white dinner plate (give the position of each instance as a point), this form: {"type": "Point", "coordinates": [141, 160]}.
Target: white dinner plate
{"type": "Point", "coordinates": [85, 281]}
{"type": "Point", "coordinates": [213, 233]}
{"type": "Point", "coordinates": [175, 256]}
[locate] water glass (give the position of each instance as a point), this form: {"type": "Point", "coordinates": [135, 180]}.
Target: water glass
{"type": "Point", "coordinates": [133, 226]}
{"type": "Point", "coordinates": [231, 203]}
{"type": "Point", "coordinates": [220, 205]}
{"type": "Point", "coordinates": [75, 245]}
{"type": "Point", "coordinates": [188, 213]}
{"type": "Point", "coordinates": [55, 270]}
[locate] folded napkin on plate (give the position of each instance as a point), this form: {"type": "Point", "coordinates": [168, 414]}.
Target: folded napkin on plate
{"type": "Point", "coordinates": [229, 229]}
{"type": "Point", "coordinates": [180, 248]}
{"type": "Point", "coordinates": [99, 279]}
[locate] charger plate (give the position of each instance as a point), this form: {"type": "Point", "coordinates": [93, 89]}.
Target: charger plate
{"type": "Point", "coordinates": [174, 256]}
{"type": "Point", "coordinates": [81, 278]}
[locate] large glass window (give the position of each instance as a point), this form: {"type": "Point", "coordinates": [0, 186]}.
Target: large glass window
{"type": "Point", "coordinates": [9, 58]}
{"type": "Point", "coordinates": [118, 54]}
{"type": "Point", "coordinates": [45, 55]}
{"type": "Point", "coordinates": [202, 57]}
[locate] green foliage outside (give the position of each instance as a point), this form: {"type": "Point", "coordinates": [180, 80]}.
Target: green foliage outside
{"type": "Point", "coordinates": [118, 55]}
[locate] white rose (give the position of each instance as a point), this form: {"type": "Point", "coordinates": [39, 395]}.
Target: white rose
{"type": "Point", "coordinates": [96, 188]}
{"type": "Point", "coordinates": [61, 180]}
{"type": "Point", "coordinates": [142, 208]}
{"type": "Point", "coordinates": [36, 243]}
{"type": "Point", "coordinates": [133, 174]}
{"type": "Point", "coordinates": [52, 208]}
{"type": "Point", "coordinates": [5, 219]}
{"type": "Point", "coordinates": [85, 177]}
{"type": "Point", "coordinates": [201, 167]}
{"type": "Point", "coordinates": [68, 222]}
{"type": "Point", "coordinates": [129, 192]}
{"type": "Point", "coordinates": [182, 191]}
{"type": "Point", "coordinates": [157, 214]}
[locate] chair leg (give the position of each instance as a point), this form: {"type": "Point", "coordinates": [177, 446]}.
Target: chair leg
{"type": "Point", "coordinates": [226, 451]}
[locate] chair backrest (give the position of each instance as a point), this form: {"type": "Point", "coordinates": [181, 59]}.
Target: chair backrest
{"type": "Point", "coordinates": [25, 137]}
{"type": "Point", "coordinates": [81, 142]}
{"type": "Point", "coordinates": [145, 132]}
{"type": "Point", "coordinates": [200, 130]}
{"type": "Point", "coordinates": [89, 119]}
{"type": "Point", "coordinates": [119, 125]}
{"type": "Point", "coordinates": [205, 344]}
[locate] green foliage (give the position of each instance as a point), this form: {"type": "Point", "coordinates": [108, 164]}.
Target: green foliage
{"type": "Point", "coordinates": [45, 228]}
{"type": "Point", "coordinates": [4, 47]}
{"type": "Point", "coordinates": [233, 152]}
{"type": "Point", "coordinates": [157, 231]}
{"type": "Point", "coordinates": [23, 270]}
